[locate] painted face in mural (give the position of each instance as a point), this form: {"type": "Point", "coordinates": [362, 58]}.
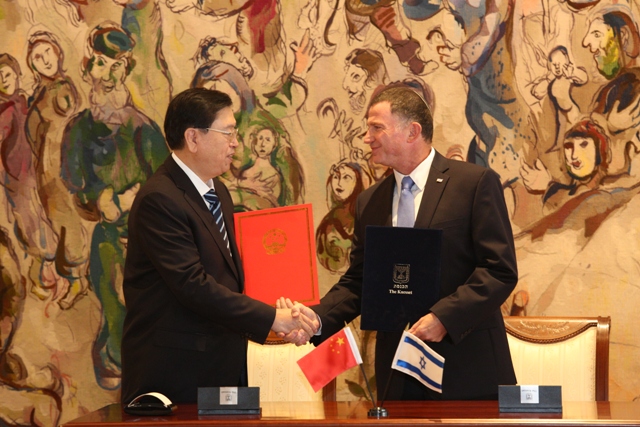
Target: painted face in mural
{"type": "Point", "coordinates": [601, 41]}
{"type": "Point", "coordinates": [353, 82]}
{"type": "Point", "coordinates": [231, 55]}
{"type": "Point", "coordinates": [386, 133]}
{"type": "Point", "coordinates": [45, 59]}
{"type": "Point", "coordinates": [580, 156]}
{"type": "Point", "coordinates": [107, 80]}
{"type": "Point", "coordinates": [225, 87]}
{"type": "Point", "coordinates": [265, 143]}
{"type": "Point", "coordinates": [558, 62]}
{"type": "Point", "coordinates": [8, 80]}
{"type": "Point", "coordinates": [343, 182]}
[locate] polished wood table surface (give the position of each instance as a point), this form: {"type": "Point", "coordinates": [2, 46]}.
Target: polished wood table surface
{"type": "Point", "coordinates": [449, 414]}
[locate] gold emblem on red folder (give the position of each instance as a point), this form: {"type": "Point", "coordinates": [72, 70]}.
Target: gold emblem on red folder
{"type": "Point", "coordinates": [275, 245]}
{"type": "Point", "coordinates": [274, 241]}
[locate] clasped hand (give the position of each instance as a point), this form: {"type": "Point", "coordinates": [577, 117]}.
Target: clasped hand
{"type": "Point", "coordinates": [295, 322]}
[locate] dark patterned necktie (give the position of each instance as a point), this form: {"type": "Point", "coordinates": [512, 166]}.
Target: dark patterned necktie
{"type": "Point", "coordinates": [216, 210]}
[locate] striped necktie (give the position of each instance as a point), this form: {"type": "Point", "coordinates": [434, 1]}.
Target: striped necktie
{"type": "Point", "coordinates": [216, 210]}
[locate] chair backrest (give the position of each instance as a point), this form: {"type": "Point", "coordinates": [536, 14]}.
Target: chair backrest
{"type": "Point", "coordinates": [572, 352]}
{"type": "Point", "coordinates": [273, 368]}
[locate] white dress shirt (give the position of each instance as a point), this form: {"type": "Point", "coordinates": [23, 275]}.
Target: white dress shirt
{"type": "Point", "coordinates": [419, 176]}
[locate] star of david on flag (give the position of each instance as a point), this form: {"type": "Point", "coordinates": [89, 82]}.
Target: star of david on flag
{"type": "Point", "coordinates": [415, 358]}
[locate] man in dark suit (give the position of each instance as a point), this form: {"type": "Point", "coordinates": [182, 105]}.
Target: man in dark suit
{"type": "Point", "coordinates": [187, 321]}
{"type": "Point", "coordinates": [478, 257]}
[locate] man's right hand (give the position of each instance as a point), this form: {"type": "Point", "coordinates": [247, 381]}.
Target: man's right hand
{"type": "Point", "coordinates": [298, 336]}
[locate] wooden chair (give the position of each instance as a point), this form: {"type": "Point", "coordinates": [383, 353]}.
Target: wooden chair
{"type": "Point", "coordinates": [273, 368]}
{"type": "Point", "coordinates": [572, 352]}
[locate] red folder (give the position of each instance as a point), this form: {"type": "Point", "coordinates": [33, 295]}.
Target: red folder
{"type": "Point", "coordinates": [278, 253]}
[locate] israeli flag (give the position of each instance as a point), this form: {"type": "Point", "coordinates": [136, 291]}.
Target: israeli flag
{"type": "Point", "coordinates": [415, 358]}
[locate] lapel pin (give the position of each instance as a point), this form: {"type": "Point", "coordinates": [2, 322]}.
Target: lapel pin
{"type": "Point", "coordinates": [439, 180]}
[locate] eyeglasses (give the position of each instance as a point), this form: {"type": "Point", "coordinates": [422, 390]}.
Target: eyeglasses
{"type": "Point", "coordinates": [232, 134]}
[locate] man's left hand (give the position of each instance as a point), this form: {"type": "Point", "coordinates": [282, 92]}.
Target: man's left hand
{"type": "Point", "coordinates": [429, 329]}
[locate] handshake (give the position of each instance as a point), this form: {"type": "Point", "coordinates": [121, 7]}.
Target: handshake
{"type": "Point", "coordinates": [294, 322]}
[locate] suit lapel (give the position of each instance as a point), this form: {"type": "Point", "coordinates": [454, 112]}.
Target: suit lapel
{"type": "Point", "coordinates": [196, 202]}
{"type": "Point", "coordinates": [433, 190]}
{"type": "Point", "coordinates": [378, 209]}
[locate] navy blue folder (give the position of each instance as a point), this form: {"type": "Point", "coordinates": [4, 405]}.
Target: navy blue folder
{"type": "Point", "coordinates": [401, 278]}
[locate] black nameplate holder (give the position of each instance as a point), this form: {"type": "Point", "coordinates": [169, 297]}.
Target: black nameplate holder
{"type": "Point", "coordinates": [229, 401]}
{"type": "Point", "coordinates": [530, 398]}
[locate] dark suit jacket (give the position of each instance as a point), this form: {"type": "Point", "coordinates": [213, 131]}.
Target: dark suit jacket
{"type": "Point", "coordinates": [187, 321]}
{"type": "Point", "coordinates": [478, 273]}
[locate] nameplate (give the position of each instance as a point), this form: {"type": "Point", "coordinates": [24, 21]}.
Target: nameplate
{"type": "Point", "coordinates": [530, 398]}
{"type": "Point", "coordinates": [229, 401]}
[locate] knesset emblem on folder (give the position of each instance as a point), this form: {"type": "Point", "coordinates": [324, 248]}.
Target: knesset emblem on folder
{"type": "Point", "coordinates": [401, 273]}
{"type": "Point", "coordinates": [274, 241]}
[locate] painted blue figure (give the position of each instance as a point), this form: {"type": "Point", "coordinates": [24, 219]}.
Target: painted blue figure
{"type": "Point", "coordinates": [152, 83]}
{"type": "Point", "coordinates": [495, 110]}
{"type": "Point", "coordinates": [108, 151]}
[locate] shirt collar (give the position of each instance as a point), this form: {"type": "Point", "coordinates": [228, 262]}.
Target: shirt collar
{"type": "Point", "coordinates": [201, 186]}
{"type": "Point", "coordinates": [419, 175]}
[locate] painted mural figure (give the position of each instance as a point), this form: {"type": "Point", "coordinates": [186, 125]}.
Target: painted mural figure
{"type": "Point", "coordinates": [251, 119]}
{"type": "Point", "coordinates": [588, 199]}
{"type": "Point", "coordinates": [257, 26]}
{"type": "Point", "coordinates": [55, 97]}
{"type": "Point", "coordinates": [32, 229]}
{"type": "Point", "coordinates": [108, 150]}
{"type": "Point", "coordinates": [214, 49]}
{"type": "Point", "coordinates": [260, 174]}
{"type": "Point", "coordinates": [586, 159]}
{"type": "Point", "coordinates": [364, 71]}
{"type": "Point", "coordinates": [383, 14]}
{"type": "Point", "coordinates": [289, 96]}
{"type": "Point", "coordinates": [495, 109]}
{"type": "Point", "coordinates": [268, 176]}
{"type": "Point", "coordinates": [152, 82]}
{"type": "Point", "coordinates": [557, 85]}
{"type": "Point", "coordinates": [334, 233]}
{"type": "Point", "coordinates": [54, 100]}
{"type": "Point", "coordinates": [31, 233]}
{"type": "Point", "coordinates": [316, 17]}
{"type": "Point", "coordinates": [614, 40]}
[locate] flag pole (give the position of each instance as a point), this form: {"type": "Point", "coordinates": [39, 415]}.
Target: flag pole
{"type": "Point", "coordinates": [376, 411]}
{"type": "Point", "coordinates": [366, 381]}
{"type": "Point", "coordinates": [386, 388]}
{"type": "Point", "coordinates": [379, 411]}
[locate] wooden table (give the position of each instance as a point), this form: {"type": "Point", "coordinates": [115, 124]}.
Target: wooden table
{"type": "Point", "coordinates": [436, 414]}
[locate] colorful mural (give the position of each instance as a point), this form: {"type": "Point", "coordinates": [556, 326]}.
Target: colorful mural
{"type": "Point", "coordinates": [545, 92]}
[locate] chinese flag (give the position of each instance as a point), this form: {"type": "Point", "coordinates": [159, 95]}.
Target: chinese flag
{"type": "Point", "coordinates": [330, 359]}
